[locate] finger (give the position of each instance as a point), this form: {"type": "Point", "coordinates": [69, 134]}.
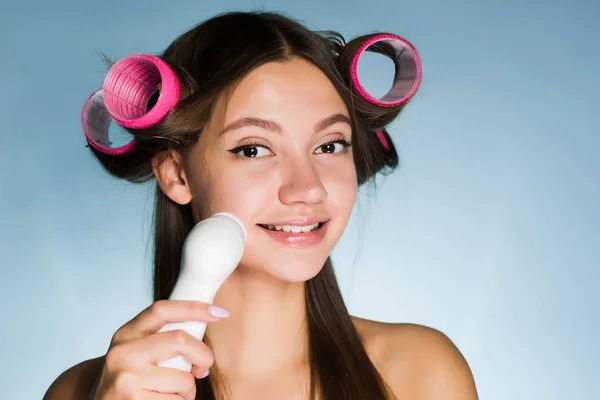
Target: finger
{"type": "Point", "coordinates": [168, 381]}
{"type": "Point", "coordinates": [200, 372]}
{"type": "Point", "coordinates": [162, 346]}
{"type": "Point", "coordinates": [162, 312]}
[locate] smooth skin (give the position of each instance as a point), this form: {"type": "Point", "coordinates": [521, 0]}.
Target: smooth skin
{"type": "Point", "coordinates": [295, 165]}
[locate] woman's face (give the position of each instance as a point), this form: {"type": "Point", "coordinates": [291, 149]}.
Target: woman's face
{"type": "Point", "coordinates": [275, 153]}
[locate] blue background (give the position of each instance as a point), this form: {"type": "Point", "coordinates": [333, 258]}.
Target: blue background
{"type": "Point", "coordinates": [489, 230]}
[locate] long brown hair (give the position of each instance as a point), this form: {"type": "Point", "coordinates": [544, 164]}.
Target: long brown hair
{"type": "Point", "coordinates": [208, 59]}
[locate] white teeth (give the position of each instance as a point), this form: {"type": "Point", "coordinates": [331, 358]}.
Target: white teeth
{"type": "Point", "coordinates": [293, 228]}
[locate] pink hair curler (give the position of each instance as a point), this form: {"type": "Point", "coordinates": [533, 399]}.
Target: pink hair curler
{"type": "Point", "coordinates": [382, 138]}
{"type": "Point", "coordinates": [95, 120]}
{"type": "Point", "coordinates": [408, 71]}
{"type": "Point", "coordinates": [138, 92]}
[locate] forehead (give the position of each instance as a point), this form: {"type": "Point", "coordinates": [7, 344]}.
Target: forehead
{"type": "Point", "coordinates": [285, 91]}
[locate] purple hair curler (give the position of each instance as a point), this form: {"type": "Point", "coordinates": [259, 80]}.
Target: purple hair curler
{"type": "Point", "coordinates": [138, 92]}
{"type": "Point", "coordinates": [408, 71]}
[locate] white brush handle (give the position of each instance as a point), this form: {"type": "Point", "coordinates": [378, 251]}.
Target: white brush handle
{"type": "Point", "coordinates": [185, 289]}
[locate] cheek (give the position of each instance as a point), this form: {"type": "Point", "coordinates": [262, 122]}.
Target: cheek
{"type": "Point", "coordinates": [236, 191]}
{"type": "Point", "coordinates": [342, 188]}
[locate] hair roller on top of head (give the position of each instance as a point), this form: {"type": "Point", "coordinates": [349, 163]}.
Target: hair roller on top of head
{"type": "Point", "coordinates": [138, 92]}
{"type": "Point", "coordinates": [408, 73]}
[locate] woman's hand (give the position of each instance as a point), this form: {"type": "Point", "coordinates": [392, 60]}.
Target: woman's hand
{"type": "Point", "coordinates": [131, 368]}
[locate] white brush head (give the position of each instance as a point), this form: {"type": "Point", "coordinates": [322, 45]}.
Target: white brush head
{"type": "Point", "coordinates": [213, 249]}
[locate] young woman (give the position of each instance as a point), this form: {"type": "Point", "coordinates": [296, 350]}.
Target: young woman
{"type": "Point", "coordinates": [268, 125]}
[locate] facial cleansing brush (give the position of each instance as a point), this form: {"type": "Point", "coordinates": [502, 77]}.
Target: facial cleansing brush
{"type": "Point", "coordinates": [211, 251]}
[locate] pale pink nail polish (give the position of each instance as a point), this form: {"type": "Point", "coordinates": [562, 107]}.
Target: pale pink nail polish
{"type": "Point", "coordinates": [218, 312]}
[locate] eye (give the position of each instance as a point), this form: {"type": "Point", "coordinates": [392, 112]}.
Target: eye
{"type": "Point", "coordinates": [335, 146]}
{"type": "Point", "coordinates": [251, 151]}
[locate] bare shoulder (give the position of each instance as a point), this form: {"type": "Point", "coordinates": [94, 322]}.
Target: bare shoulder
{"type": "Point", "coordinates": [75, 383]}
{"type": "Point", "coordinates": [416, 361]}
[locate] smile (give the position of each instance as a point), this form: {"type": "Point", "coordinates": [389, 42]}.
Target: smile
{"type": "Point", "coordinates": [293, 228]}
{"type": "Point", "coordinates": [297, 236]}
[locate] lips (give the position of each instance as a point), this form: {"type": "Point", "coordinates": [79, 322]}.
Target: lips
{"type": "Point", "coordinates": [298, 239]}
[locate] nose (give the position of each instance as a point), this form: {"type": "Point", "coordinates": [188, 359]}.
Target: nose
{"type": "Point", "coordinates": [302, 185]}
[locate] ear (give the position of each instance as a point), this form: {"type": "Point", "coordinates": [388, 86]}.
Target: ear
{"type": "Point", "coordinates": [171, 177]}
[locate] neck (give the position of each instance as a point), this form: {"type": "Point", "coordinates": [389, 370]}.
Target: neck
{"type": "Point", "coordinates": [266, 331]}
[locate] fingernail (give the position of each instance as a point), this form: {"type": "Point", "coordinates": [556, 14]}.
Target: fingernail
{"type": "Point", "coordinates": [205, 374]}
{"type": "Point", "coordinates": [218, 312]}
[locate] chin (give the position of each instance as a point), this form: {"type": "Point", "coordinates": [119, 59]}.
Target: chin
{"type": "Point", "coordinates": [297, 272]}
{"type": "Point", "coordinates": [288, 269]}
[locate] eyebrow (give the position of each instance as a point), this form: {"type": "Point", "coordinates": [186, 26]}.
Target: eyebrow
{"type": "Point", "coordinates": [274, 127]}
